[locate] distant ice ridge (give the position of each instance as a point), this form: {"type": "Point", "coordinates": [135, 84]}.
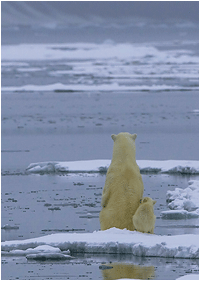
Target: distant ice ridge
{"type": "Point", "coordinates": [101, 67]}
{"type": "Point", "coordinates": [89, 51]}
{"type": "Point", "coordinates": [59, 87]}
{"type": "Point", "coordinates": [184, 203]}
{"type": "Point", "coordinates": [97, 166]}
{"type": "Point", "coordinates": [111, 241]}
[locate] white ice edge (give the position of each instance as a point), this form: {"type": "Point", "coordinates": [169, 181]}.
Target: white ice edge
{"type": "Point", "coordinates": [96, 166]}
{"type": "Point", "coordinates": [113, 241]}
{"type": "Point", "coordinates": [189, 277]}
{"type": "Point", "coordinates": [104, 87]}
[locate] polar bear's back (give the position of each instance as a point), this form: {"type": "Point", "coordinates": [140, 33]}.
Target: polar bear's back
{"type": "Point", "coordinates": [123, 182]}
{"type": "Point", "coordinates": [121, 196]}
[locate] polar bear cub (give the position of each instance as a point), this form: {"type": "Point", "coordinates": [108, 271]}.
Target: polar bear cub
{"type": "Point", "coordinates": [123, 188]}
{"type": "Point", "coordinates": [144, 218]}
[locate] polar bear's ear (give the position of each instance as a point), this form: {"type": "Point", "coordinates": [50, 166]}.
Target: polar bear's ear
{"type": "Point", "coordinates": [145, 199]}
{"type": "Point", "coordinates": [113, 137]}
{"type": "Point", "coordinates": [134, 136]}
{"type": "Point", "coordinates": [154, 202]}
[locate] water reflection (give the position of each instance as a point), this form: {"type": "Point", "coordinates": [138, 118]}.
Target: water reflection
{"type": "Point", "coordinates": [111, 271]}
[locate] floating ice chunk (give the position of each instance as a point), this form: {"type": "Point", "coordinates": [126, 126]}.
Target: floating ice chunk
{"type": "Point", "coordinates": [176, 204]}
{"type": "Point", "coordinates": [48, 256]}
{"type": "Point", "coordinates": [195, 111]}
{"type": "Point", "coordinates": [9, 227]}
{"type": "Point", "coordinates": [178, 215]}
{"type": "Point", "coordinates": [184, 199]}
{"type": "Point", "coordinates": [45, 248]}
{"type": "Point", "coordinates": [43, 167]}
{"type": "Point", "coordinates": [36, 250]}
{"type": "Point", "coordinates": [88, 166]}
{"type": "Point", "coordinates": [189, 205]}
{"type": "Point", "coordinates": [169, 166]}
{"type": "Point", "coordinates": [193, 184]}
{"type": "Point", "coordinates": [66, 252]}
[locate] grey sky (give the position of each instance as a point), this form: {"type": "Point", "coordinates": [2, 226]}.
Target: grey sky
{"type": "Point", "coordinates": [152, 9]}
{"type": "Point", "coordinates": [24, 11]}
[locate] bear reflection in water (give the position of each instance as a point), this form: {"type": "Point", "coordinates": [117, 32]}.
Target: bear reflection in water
{"type": "Point", "coordinates": [113, 271]}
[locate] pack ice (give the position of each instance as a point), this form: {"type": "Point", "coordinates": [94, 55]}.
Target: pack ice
{"type": "Point", "coordinates": [184, 203]}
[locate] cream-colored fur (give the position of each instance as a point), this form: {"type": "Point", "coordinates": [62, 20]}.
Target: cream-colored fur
{"type": "Point", "coordinates": [127, 271]}
{"type": "Point", "coordinates": [144, 218]}
{"type": "Point", "coordinates": [123, 186]}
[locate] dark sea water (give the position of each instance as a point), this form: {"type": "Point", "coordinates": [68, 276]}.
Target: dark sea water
{"type": "Point", "coordinates": [66, 87]}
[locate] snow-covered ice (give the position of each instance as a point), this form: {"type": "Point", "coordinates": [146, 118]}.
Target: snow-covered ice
{"type": "Point", "coordinates": [48, 256]}
{"type": "Point", "coordinates": [43, 252]}
{"type": "Point", "coordinates": [111, 241]}
{"type": "Point", "coordinates": [36, 250]}
{"type": "Point", "coordinates": [184, 203]}
{"type": "Point", "coordinates": [178, 214]}
{"type": "Point", "coordinates": [95, 166]}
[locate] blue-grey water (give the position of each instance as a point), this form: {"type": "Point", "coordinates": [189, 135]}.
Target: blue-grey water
{"type": "Point", "coordinates": [66, 87]}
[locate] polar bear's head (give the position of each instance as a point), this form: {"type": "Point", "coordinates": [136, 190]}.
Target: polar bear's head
{"type": "Point", "coordinates": [148, 200]}
{"type": "Point", "coordinates": [124, 146]}
{"type": "Point", "coordinates": [124, 135]}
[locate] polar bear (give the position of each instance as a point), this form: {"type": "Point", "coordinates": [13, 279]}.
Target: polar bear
{"type": "Point", "coordinates": [123, 188]}
{"type": "Point", "coordinates": [144, 218]}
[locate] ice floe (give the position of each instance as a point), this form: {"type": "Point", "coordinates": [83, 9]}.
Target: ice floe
{"type": "Point", "coordinates": [37, 250]}
{"type": "Point", "coordinates": [96, 166]}
{"type": "Point", "coordinates": [9, 227]}
{"type": "Point", "coordinates": [178, 215]}
{"type": "Point", "coordinates": [43, 252]}
{"type": "Point", "coordinates": [184, 203]}
{"type": "Point", "coordinates": [111, 241]}
{"type": "Point", "coordinates": [48, 256]}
